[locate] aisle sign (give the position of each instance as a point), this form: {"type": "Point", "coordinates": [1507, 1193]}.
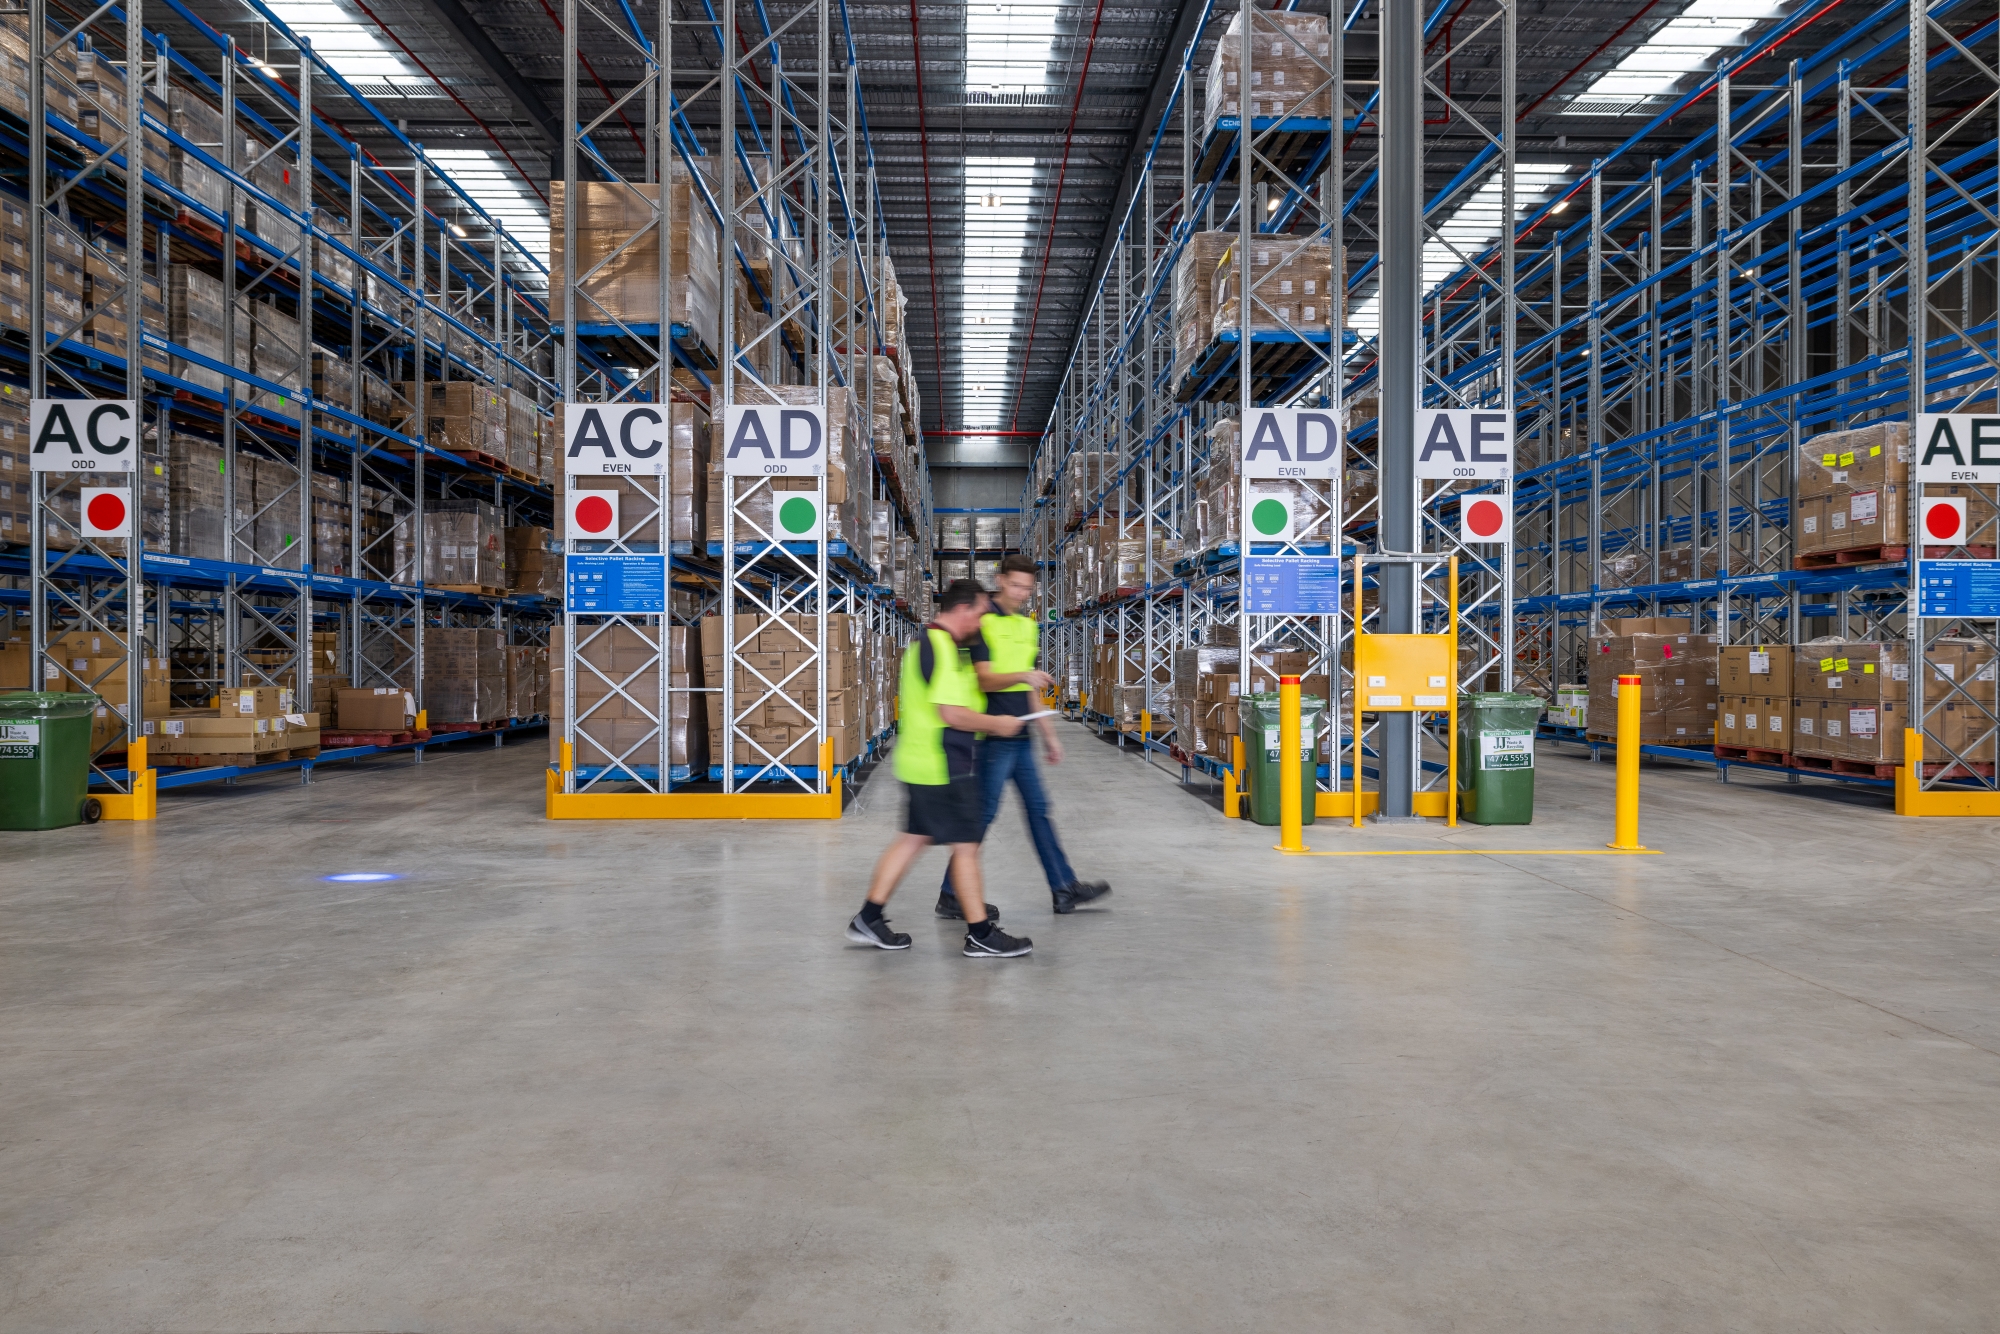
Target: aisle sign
{"type": "Point", "coordinates": [1463, 444]}
{"type": "Point", "coordinates": [1958, 588]}
{"type": "Point", "coordinates": [1958, 447]}
{"type": "Point", "coordinates": [1292, 443]}
{"type": "Point", "coordinates": [82, 435]}
{"type": "Point", "coordinates": [766, 440]}
{"type": "Point", "coordinates": [615, 439]}
{"type": "Point", "coordinates": [1291, 585]}
{"type": "Point", "coordinates": [615, 585]}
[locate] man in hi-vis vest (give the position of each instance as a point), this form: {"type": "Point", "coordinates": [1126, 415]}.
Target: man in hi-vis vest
{"type": "Point", "coordinates": [941, 714]}
{"type": "Point", "coordinates": [1004, 657]}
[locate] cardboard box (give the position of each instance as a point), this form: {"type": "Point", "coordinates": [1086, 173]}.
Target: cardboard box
{"type": "Point", "coordinates": [255, 701]}
{"type": "Point", "coordinates": [1648, 625]}
{"type": "Point", "coordinates": [381, 709]}
{"type": "Point", "coordinates": [1849, 669]}
{"type": "Point", "coordinates": [1754, 669]}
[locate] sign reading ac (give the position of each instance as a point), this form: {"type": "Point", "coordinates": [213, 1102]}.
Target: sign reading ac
{"type": "Point", "coordinates": [1290, 442]}
{"type": "Point", "coordinates": [615, 439]}
{"type": "Point", "coordinates": [83, 435]}
{"type": "Point", "coordinates": [766, 440]}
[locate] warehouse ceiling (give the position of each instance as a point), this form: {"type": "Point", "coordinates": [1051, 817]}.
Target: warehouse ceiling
{"type": "Point", "coordinates": [1000, 179]}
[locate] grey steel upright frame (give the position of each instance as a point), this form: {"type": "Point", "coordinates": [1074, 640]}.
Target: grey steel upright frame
{"type": "Point", "coordinates": [1402, 219]}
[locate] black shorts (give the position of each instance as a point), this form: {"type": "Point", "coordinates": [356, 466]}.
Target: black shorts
{"type": "Point", "coordinates": [945, 812]}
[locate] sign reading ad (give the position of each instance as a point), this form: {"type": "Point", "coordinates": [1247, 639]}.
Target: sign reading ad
{"type": "Point", "coordinates": [1295, 443]}
{"type": "Point", "coordinates": [1465, 444]}
{"type": "Point", "coordinates": [772, 440]}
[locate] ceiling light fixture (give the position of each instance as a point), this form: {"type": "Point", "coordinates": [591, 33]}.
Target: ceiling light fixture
{"type": "Point", "coordinates": [458, 231]}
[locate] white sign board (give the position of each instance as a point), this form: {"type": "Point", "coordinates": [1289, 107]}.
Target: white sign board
{"type": "Point", "coordinates": [1958, 447]}
{"type": "Point", "coordinates": [1486, 519]}
{"type": "Point", "coordinates": [1465, 444]}
{"type": "Point", "coordinates": [83, 435]}
{"type": "Point", "coordinates": [615, 439]}
{"type": "Point", "coordinates": [768, 440]}
{"type": "Point", "coordinates": [1295, 443]}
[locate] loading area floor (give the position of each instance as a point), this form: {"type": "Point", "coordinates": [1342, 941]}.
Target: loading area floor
{"type": "Point", "coordinates": [631, 1077]}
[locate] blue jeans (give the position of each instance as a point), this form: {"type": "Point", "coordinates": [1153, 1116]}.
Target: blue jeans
{"type": "Point", "coordinates": [1014, 757]}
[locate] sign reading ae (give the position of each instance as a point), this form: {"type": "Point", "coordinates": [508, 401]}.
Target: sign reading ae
{"type": "Point", "coordinates": [1465, 444]}
{"type": "Point", "coordinates": [773, 440]}
{"type": "Point", "coordinates": [1958, 447]}
{"type": "Point", "coordinates": [83, 435]}
{"type": "Point", "coordinates": [615, 439]}
{"type": "Point", "coordinates": [1294, 443]}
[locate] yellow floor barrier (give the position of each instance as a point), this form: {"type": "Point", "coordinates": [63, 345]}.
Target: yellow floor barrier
{"type": "Point", "coordinates": [561, 805]}
{"type": "Point", "coordinates": [143, 802]}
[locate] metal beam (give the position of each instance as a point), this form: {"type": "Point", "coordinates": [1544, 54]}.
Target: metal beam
{"type": "Point", "coordinates": [1402, 353]}
{"type": "Point", "coordinates": [453, 15]}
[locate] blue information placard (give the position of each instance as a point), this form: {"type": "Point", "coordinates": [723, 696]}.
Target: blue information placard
{"type": "Point", "coordinates": [1958, 588]}
{"type": "Point", "coordinates": [615, 585]}
{"type": "Point", "coordinates": [1291, 585]}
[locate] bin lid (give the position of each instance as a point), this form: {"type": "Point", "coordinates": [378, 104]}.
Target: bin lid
{"type": "Point", "coordinates": [47, 704]}
{"type": "Point", "coordinates": [1502, 708]}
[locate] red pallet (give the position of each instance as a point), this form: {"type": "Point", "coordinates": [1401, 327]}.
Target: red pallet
{"type": "Point", "coordinates": [1833, 764]}
{"type": "Point", "coordinates": [345, 739]}
{"type": "Point", "coordinates": [1883, 555]}
{"type": "Point", "coordinates": [1755, 755]}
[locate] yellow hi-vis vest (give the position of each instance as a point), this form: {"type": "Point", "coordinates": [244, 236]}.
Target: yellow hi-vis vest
{"type": "Point", "coordinates": [919, 754]}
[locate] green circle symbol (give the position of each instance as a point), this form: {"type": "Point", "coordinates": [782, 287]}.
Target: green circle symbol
{"type": "Point", "coordinates": [1269, 516]}
{"type": "Point", "coordinates": [796, 515]}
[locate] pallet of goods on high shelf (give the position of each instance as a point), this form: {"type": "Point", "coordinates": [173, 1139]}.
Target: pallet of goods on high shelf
{"type": "Point", "coordinates": [464, 547]}
{"type": "Point", "coordinates": [1852, 501]}
{"type": "Point", "coordinates": [534, 561]}
{"type": "Point", "coordinates": [619, 252]}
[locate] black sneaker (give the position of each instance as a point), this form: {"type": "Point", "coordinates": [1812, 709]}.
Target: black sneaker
{"type": "Point", "coordinates": [879, 935]}
{"type": "Point", "coordinates": [997, 945]}
{"type": "Point", "coordinates": [1079, 892]}
{"type": "Point", "coordinates": [947, 908]}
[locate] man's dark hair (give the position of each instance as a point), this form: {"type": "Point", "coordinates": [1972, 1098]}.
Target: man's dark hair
{"type": "Point", "coordinates": [1018, 564]}
{"type": "Point", "coordinates": [961, 593]}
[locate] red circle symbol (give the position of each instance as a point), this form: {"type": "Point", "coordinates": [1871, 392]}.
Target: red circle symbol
{"type": "Point", "coordinates": [1941, 521]}
{"type": "Point", "coordinates": [593, 514]}
{"type": "Point", "coordinates": [107, 512]}
{"type": "Point", "coordinates": [1483, 518]}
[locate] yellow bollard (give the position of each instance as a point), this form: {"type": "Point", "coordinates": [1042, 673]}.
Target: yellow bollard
{"type": "Point", "coordinates": [1625, 832]}
{"type": "Point", "coordinates": [1291, 824]}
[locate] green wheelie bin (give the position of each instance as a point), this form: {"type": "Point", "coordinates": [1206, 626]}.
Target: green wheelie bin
{"type": "Point", "coordinates": [45, 760]}
{"type": "Point", "coordinates": [1496, 757]}
{"type": "Point", "coordinates": [1258, 717]}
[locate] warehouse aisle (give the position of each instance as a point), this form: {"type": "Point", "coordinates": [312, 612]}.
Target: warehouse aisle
{"type": "Point", "coordinates": [628, 1076]}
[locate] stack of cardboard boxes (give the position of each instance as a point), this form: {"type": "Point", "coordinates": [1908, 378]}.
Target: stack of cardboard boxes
{"type": "Point", "coordinates": [1852, 700]}
{"type": "Point", "coordinates": [782, 726]}
{"type": "Point", "coordinates": [249, 725]}
{"type": "Point", "coordinates": [1290, 56]}
{"type": "Point", "coordinates": [1852, 494]}
{"type": "Point", "coordinates": [465, 676]}
{"type": "Point", "coordinates": [1194, 297]}
{"type": "Point", "coordinates": [388, 709]}
{"type": "Point", "coordinates": [1208, 689]}
{"type": "Point", "coordinates": [618, 248]}
{"type": "Point", "coordinates": [534, 561]}
{"type": "Point", "coordinates": [464, 547]}
{"type": "Point", "coordinates": [1678, 679]}
{"type": "Point", "coordinates": [617, 698]}
{"type": "Point", "coordinates": [1290, 284]}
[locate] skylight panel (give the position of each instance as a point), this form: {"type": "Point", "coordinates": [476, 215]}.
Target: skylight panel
{"type": "Point", "coordinates": [993, 267]}
{"type": "Point", "coordinates": [1473, 228]}
{"type": "Point", "coordinates": [354, 49]}
{"type": "Point", "coordinates": [493, 184]}
{"type": "Point", "coordinates": [1008, 44]}
{"type": "Point", "coordinates": [1687, 44]}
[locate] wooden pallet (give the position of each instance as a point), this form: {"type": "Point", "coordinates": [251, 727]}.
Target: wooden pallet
{"type": "Point", "coordinates": [230, 759]}
{"type": "Point", "coordinates": [1883, 555]}
{"type": "Point", "coordinates": [1834, 764]}
{"type": "Point", "coordinates": [1606, 739]}
{"type": "Point", "coordinates": [479, 590]}
{"type": "Point", "coordinates": [1755, 755]}
{"type": "Point", "coordinates": [344, 739]}
{"type": "Point", "coordinates": [437, 729]}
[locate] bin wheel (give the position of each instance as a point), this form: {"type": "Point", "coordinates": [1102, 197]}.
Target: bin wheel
{"type": "Point", "coordinates": [93, 810]}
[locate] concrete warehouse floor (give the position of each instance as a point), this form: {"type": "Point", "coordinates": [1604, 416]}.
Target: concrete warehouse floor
{"type": "Point", "coordinates": [630, 1077]}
